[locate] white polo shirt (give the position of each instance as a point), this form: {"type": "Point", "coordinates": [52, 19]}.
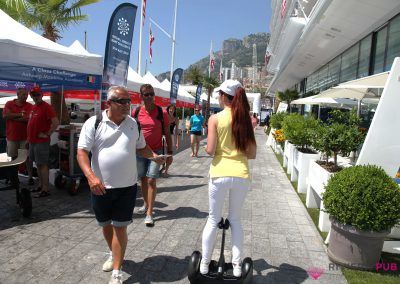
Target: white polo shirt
{"type": "Point", "coordinates": [113, 149]}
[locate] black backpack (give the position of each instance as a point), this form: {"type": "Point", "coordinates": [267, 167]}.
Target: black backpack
{"type": "Point", "coordinates": [160, 117]}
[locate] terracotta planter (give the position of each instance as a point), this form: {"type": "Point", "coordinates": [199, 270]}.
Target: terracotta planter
{"type": "Point", "coordinates": [354, 248]}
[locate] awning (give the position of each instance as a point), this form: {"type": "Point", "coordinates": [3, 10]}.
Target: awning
{"type": "Point", "coordinates": [370, 82]}
{"type": "Point", "coordinates": [336, 93]}
{"type": "Point", "coordinates": [315, 100]}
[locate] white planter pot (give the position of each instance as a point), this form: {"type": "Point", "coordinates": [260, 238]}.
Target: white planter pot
{"type": "Point", "coordinates": [279, 149]}
{"type": "Point", "coordinates": [300, 167]}
{"type": "Point", "coordinates": [288, 156]}
{"type": "Point", "coordinates": [395, 232]}
{"type": "Point", "coordinates": [270, 138]}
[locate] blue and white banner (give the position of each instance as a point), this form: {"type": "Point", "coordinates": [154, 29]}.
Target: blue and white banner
{"type": "Point", "coordinates": [176, 79]}
{"type": "Point", "coordinates": [198, 94]}
{"type": "Point", "coordinates": [118, 46]}
{"type": "Point", "coordinates": [22, 74]}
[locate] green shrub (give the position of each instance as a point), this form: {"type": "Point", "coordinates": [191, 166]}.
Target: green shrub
{"type": "Point", "coordinates": [299, 130]}
{"type": "Point", "coordinates": [340, 135]}
{"type": "Point", "coordinates": [277, 119]}
{"type": "Point", "coordinates": [364, 197]}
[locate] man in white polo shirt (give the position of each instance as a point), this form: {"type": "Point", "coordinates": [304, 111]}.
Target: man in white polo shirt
{"type": "Point", "coordinates": [112, 174]}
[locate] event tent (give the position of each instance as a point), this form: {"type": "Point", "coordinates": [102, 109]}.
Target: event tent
{"type": "Point", "coordinates": [28, 57]}
{"type": "Point", "coordinates": [315, 100]}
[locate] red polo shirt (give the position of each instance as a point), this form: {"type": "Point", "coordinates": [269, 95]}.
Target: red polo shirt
{"type": "Point", "coordinates": [151, 127]}
{"type": "Point", "coordinates": [16, 130]}
{"type": "Point", "coordinates": [40, 121]}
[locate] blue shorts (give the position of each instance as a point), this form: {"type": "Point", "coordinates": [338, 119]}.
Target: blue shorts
{"type": "Point", "coordinates": [147, 168]}
{"type": "Point", "coordinates": [115, 207]}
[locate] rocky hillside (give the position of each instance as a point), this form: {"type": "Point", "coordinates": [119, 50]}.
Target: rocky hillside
{"type": "Point", "coordinates": [239, 50]}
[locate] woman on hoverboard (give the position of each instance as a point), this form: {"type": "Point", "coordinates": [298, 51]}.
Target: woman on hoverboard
{"type": "Point", "coordinates": [231, 141]}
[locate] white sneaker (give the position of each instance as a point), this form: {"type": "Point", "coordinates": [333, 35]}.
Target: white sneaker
{"type": "Point", "coordinates": [115, 279]}
{"type": "Point", "coordinates": [149, 221]}
{"type": "Point", "coordinates": [237, 269]}
{"type": "Point", "coordinates": [142, 210]}
{"type": "Point", "coordinates": [204, 267]}
{"type": "Point", "coordinates": [108, 265]}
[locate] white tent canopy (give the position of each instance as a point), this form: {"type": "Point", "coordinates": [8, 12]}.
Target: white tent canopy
{"type": "Point", "coordinates": [20, 45]}
{"type": "Point", "coordinates": [148, 78]}
{"type": "Point", "coordinates": [4, 100]}
{"type": "Point", "coordinates": [370, 82]}
{"type": "Point", "coordinates": [134, 80]}
{"type": "Point", "coordinates": [315, 100]}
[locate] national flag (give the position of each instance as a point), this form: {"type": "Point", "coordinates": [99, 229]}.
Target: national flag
{"type": "Point", "coordinates": [283, 8]}
{"type": "Point", "coordinates": [267, 57]}
{"type": "Point", "coordinates": [212, 61]}
{"type": "Point", "coordinates": [144, 10]}
{"type": "Point", "coordinates": [151, 40]}
{"type": "Point", "coordinates": [91, 79]}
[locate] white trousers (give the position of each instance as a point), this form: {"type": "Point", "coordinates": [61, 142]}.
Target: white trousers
{"type": "Point", "coordinates": [217, 190]}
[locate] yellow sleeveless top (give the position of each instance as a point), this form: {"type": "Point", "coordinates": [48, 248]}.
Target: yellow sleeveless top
{"type": "Point", "coordinates": [227, 162]}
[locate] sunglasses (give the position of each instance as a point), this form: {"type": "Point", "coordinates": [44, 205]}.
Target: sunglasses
{"type": "Point", "coordinates": [121, 101]}
{"type": "Point", "coordinates": [35, 94]}
{"type": "Point", "coordinates": [148, 95]}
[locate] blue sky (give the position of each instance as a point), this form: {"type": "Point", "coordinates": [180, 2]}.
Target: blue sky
{"type": "Point", "coordinates": [198, 23]}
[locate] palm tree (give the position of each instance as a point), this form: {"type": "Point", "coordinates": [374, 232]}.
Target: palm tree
{"type": "Point", "coordinates": [288, 96]}
{"type": "Point", "coordinates": [194, 75]}
{"type": "Point", "coordinates": [209, 83]}
{"type": "Point", "coordinates": [51, 17]}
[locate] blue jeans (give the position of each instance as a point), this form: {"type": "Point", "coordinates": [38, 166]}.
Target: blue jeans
{"type": "Point", "coordinates": [147, 167]}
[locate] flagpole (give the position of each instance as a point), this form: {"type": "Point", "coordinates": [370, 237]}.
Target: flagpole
{"type": "Point", "coordinates": [209, 62]}
{"type": "Point", "coordinates": [173, 41]}
{"type": "Point", "coordinates": [139, 67]}
{"type": "Point", "coordinates": [220, 67]}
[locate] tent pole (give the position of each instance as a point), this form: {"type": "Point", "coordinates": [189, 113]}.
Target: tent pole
{"type": "Point", "coordinates": [358, 108]}
{"type": "Point", "coordinates": [319, 111]}
{"type": "Point", "coordinates": [184, 122]}
{"type": "Point", "coordinates": [61, 106]}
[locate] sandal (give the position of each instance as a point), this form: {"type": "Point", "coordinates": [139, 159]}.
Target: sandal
{"type": "Point", "coordinates": [39, 189]}
{"type": "Point", "coordinates": [42, 194]}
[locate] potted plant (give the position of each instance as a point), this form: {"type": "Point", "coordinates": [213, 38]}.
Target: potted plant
{"type": "Point", "coordinates": [276, 124]}
{"type": "Point", "coordinates": [364, 204]}
{"type": "Point", "coordinates": [299, 130]}
{"type": "Point", "coordinates": [340, 135]}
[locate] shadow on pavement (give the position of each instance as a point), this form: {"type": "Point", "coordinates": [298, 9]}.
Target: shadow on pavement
{"type": "Point", "coordinates": [285, 273]}
{"type": "Point", "coordinates": [159, 268]}
{"type": "Point", "coordinates": [179, 188]}
{"type": "Point", "coordinates": [186, 176]}
{"type": "Point", "coordinates": [178, 213]}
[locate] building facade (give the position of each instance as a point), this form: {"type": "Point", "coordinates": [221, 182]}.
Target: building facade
{"type": "Point", "coordinates": [318, 44]}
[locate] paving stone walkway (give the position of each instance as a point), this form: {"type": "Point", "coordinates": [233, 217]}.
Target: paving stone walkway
{"type": "Point", "coordinates": [61, 243]}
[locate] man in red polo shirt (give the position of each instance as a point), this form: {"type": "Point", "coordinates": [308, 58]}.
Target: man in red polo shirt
{"type": "Point", "coordinates": [154, 124]}
{"type": "Point", "coordinates": [42, 123]}
{"type": "Point", "coordinates": [16, 114]}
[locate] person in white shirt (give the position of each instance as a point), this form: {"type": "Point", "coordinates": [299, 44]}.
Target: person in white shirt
{"type": "Point", "coordinates": [113, 142]}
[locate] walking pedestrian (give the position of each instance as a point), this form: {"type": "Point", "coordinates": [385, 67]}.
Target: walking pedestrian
{"type": "Point", "coordinates": [231, 141]}
{"type": "Point", "coordinates": [196, 128]}
{"type": "Point", "coordinates": [113, 139]}
{"type": "Point", "coordinates": [154, 123]}
{"type": "Point", "coordinates": [254, 121]}
{"type": "Point", "coordinates": [173, 130]}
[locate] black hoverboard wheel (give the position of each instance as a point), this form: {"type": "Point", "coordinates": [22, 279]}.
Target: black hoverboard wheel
{"type": "Point", "coordinates": [194, 267]}
{"type": "Point", "coordinates": [247, 270]}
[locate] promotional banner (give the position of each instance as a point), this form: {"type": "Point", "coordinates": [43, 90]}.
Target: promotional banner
{"type": "Point", "coordinates": [176, 79]}
{"type": "Point", "coordinates": [198, 94]}
{"type": "Point", "coordinates": [23, 73]}
{"type": "Point", "coordinates": [118, 47]}
{"type": "Point", "coordinates": [14, 85]}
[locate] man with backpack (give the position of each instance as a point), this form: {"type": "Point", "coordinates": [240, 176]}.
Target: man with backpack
{"type": "Point", "coordinates": [113, 140]}
{"type": "Point", "coordinates": [154, 123]}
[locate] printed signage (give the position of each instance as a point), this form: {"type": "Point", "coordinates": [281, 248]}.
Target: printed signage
{"type": "Point", "coordinates": [176, 78]}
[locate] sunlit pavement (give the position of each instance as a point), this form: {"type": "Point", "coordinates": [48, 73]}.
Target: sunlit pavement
{"type": "Point", "coordinates": [62, 243]}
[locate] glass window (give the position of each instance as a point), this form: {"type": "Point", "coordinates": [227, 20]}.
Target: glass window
{"type": "Point", "coordinates": [333, 72]}
{"type": "Point", "coordinates": [394, 42]}
{"type": "Point", "coordinates": [323, 78]}
{"type": "Point", "coordinates": [348, 69]}
{"type": "Point", "coordinates": [365, 54]}
{"type": "Point", "coordinates": [380, 50]}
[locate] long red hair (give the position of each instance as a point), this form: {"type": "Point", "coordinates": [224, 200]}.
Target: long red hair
{"type": "Point", "coordinates": [242, 129]}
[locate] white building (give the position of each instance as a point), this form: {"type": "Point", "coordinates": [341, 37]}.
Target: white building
{"type": "Point", "coordinates": [317, 44]}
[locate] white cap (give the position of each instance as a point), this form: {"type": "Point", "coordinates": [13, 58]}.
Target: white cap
{"type": "Point", "coordinates": [229, 87]}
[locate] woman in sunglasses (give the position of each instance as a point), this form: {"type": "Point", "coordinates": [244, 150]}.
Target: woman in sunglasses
{"type": "Point", "coordinates": [173, 129]}
{"type": "Point", "coordinates": [231, 141]}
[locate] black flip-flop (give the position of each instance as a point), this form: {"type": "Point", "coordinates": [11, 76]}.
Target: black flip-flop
{"type": "Point", "coordinates": [42, 194]}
